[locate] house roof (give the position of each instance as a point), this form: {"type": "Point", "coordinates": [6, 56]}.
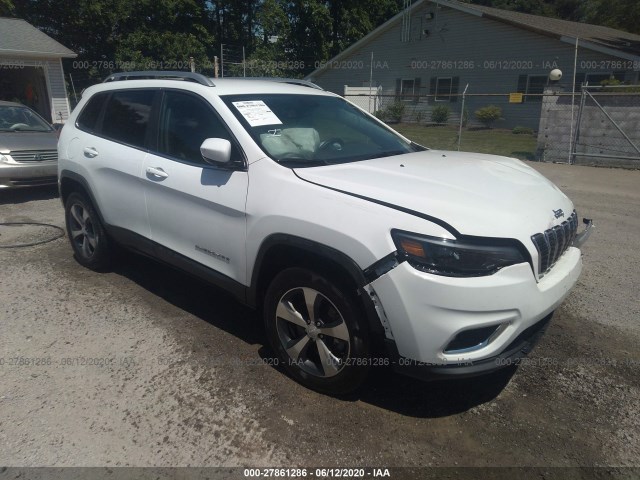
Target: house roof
{"type": "Point", "coordinates": [596, 34]}
{"type": "Point", "coordinates": [19, 38]}
{"type": "Point", "coordinates": [594, 37]}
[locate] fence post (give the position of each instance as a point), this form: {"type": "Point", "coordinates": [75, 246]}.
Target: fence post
{"type": "Point", "coordinates": [576, 132]}
{"type": "Point", "coordinates": [464, 94]}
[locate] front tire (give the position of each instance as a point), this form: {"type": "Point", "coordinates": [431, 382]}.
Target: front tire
{"type": "Point", "coordinates": [91, 246]}
{"type": "Point", "coordinates": [317, 330]}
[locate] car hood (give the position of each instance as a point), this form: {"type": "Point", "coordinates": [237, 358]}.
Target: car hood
{"type": "Point", "coordinates": [476, 194]}
{"type": "Point", "coordinates": [12, 141]}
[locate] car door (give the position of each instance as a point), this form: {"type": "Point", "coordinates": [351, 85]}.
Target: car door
{"type": "Point", "coordinates": [194, 208]}
{"type": "Point", "coordinates": [111, 147]}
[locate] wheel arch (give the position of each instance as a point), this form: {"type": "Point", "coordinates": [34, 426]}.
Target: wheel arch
{"type": "Point", "coordinates": [280, 251]}
{"type": "Point", "coordinates": [73, 182]}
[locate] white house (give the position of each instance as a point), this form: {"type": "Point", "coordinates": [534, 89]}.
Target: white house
{"type": "Point", "coordinates": [31, 69]}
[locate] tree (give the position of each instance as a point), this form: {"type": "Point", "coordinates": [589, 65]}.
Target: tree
{"type": "Point", "coordinates": [6, 8]}
{"type": "Point", "coordinates": [621, 14]}
{"type": "Point", "coordinates": [310, 34]}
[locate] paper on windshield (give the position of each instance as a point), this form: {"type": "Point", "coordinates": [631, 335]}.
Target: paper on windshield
{"type": "Point", "coordinates": [257, 113]}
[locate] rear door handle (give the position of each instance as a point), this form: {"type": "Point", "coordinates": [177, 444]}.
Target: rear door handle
{"type": "Point", "coordinates": [90, 152]}
{"type": "Point", "coordinates": [157, 172]}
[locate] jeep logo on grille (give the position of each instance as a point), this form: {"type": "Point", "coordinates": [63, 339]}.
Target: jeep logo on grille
{"type": "Point", "coordinates": [558, 213]}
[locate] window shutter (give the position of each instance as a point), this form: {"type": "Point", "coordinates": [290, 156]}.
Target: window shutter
{"type": "Point", "coordinates": [522, 84]}
{"type": "Point", "coordinates": [398, 88]}
{"type": "Point", "coordinates": [416, 90]}
{"type": "Point", "coordinates": [455, 83]}
{"type": "Point", "coordinates": [432, 89]}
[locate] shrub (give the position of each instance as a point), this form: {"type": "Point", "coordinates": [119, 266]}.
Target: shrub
{"type": "Point", "coordinates": [522, 131]}
{"type": "Point", "coordinates": [440, 114]}
{"type": "Point", "coordinates": [488, 115]}
{"type": "Point", "coordinates": [395, 111]}
{"type": "Point", "coordinates": [379, 114]}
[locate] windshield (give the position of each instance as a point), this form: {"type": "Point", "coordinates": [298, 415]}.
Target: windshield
{"type": "Point", "coordinates": [312, 130]}
{"type": "Point", "coordinates": [21, 119]}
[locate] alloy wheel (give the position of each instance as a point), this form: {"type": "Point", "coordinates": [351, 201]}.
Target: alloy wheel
{"type": "Point", "coordinates": [313, 332]}
{"type": "Point", "coordinates": [82, 231]}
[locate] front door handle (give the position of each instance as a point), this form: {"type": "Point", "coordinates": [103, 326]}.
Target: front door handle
{"type": "Point", "coordinates": [90, 152]}
{"type": "Point", "coordinates": [157, 172]}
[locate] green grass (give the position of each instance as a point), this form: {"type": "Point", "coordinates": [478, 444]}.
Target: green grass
{"type": "Point", "coordinates": [495, 141]}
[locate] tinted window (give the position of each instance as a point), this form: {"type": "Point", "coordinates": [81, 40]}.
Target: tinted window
{"type": "Point", "coordinates": [88, 118]}
{"type": "Point", "coordinates": [185, 122]}
{"type": "Point", "coordinates": [127, 116]}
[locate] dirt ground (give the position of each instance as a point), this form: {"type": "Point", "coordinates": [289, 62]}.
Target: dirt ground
{"type": "Point", "coordinates": [144, 366]}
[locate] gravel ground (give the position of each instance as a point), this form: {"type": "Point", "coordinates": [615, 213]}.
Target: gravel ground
{"type": "Point", "coordinates": [144, 366]}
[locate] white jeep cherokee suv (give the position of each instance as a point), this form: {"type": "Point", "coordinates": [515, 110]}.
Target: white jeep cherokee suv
{"type": "Point", "coordinates": [360, 247]}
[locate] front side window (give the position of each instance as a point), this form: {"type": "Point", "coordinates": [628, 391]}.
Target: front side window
{"type": "Point", "coordinates": [185, 122]}
{"type": "Point", "coordinates": [312, 130]}
{"type": "Point", "coordinates": [126, 117]}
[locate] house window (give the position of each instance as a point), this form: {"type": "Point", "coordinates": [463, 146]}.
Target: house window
{"type": "Point", "coordinates": [532, 86]}
{"type": "Point", "coordinates": [407, 89]}
{"type": "Point", "coordinates": [596, 79]}
{"type": "Point", "coordinates": [444, 89]}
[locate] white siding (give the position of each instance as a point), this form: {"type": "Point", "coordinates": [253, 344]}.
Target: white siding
{"type": "Point", "coordinates": [58, 91]}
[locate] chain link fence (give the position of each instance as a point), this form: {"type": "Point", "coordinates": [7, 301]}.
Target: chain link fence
{"type": "Point", "coordinates": [595, 125]}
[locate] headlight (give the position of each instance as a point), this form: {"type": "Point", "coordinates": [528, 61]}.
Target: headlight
{"type": "Point", "coordinates": [454, 258]}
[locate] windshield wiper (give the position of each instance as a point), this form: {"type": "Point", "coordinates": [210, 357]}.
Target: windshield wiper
{"type": "Point", "coordinates": [391, 153]}
{"type": "Point", "coordinates": [301, 162]}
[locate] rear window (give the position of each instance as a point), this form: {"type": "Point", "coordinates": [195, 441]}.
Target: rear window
{"type": "Point", "coordinates": [88, 118]}
{"type": "Point", "coordinates": [126, 116]}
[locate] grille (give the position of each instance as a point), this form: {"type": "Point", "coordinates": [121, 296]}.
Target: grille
{"type": "Point", "coordinates": [34, 181]}
{"type": "Point", "coordinates": [24, 156]}
{"type": "Point", "coordinates": [552, 243]}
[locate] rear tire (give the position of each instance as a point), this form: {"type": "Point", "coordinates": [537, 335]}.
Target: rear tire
{"type": "Point", "coordinates": [317, 330]}
{"type": "Point", "coordinates": [91, 245]}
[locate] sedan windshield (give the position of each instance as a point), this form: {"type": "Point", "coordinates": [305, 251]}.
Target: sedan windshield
{"type": "Point", "coordinates": [21, 119]}
{"type": "Point", "coordinates": [312, 130]}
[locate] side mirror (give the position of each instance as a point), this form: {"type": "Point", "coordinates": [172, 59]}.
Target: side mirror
{"type": "Point", "coordinates": [216, 151]}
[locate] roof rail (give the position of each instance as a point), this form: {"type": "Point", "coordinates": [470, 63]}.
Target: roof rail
{"type": "Point", "coordinates": [169, 75]}
{"type": "Point", "coordinates": [294, 81]}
